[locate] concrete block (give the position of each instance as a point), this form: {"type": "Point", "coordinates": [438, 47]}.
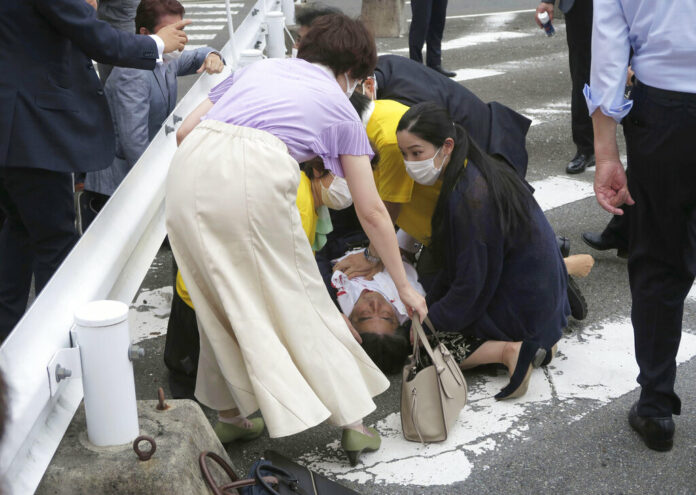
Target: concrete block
{"type": "Point", "coordinates": [181, 433]}
{"type": "Point", "coordinates": [384, 17]}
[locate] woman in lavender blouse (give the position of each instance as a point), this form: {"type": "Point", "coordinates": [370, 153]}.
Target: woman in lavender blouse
{"type": "Point", "coordinates": [271, 338]}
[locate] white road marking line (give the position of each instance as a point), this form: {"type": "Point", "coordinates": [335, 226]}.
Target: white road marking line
{"type": "Point", "coordinates": [692, 294]}
{"type": "Point", "coordinates": [497, 21]}
{"type": "Point", "coordinates": [597, 368]}
{"type": "Point", "coordinates": [195, 37]}
{"type": "Point", "coordinates": [469, 74]}
{"type": "Point", "coordinates": [540, 115]}
{"type": "Point", "coordinates": [205, 27]}
{"type": "Point", "coordinates": [487, 14]}
{"type": "Point", "coordinates": [475, 39]}
{"type": "Point", "coordinates": [210, 12]}
{"type": "Point", "coordinates": [210, 5]}
{"type": "Point", "coordinates": [505, 13]}
{"type": "Point", "coordinates": [194, 47]}
{"type": "Point", "coordinates": [218, 20]}
{"type": "Point", "coordinates": [553, 192]}
{"type": "Point", "coordinates": [149, 314]}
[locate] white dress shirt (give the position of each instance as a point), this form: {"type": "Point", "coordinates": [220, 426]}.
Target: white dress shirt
{"type": "Point", "coordinates": [663, 37]}
{"type": "Point", "coordinates": [349, 290]}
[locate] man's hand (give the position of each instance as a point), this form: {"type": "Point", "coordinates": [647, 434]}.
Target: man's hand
{"type": "Point", "coordinates": [356, 265]}
{"type": "Point", "coordinates": [93, 3]}
{"type": "Point", "coordinates": [212, 64]}
{"type": "Point", "coordinates": [629, 76]}
{"type": "Point", "coordinates": [611, 186]}
{"type": "Point", "coordinates": [543, 7]}
{"type": "Point", "coordinates": [173, 35]}
{"type": "Point", "coordinates": [352, 329]}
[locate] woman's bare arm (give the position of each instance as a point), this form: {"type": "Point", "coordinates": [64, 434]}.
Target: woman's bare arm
{"type": "Point", "coordinates": [192, 120]}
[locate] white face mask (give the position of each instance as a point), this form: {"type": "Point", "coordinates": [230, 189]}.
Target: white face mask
{"type": "Point", "coordinates": [337, 196]}
{"type": "Point", "coordinates": [424, 171]}
{"type": "Point", "coordinates": [350, 88]}
{"type": "Point", "coordinates": [294, 52]}
{"type": "Point", "coordinates": [168, 57]}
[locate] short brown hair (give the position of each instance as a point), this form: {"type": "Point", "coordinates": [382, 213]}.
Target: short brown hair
{"type": "Point", "coordinates": [150, 12]}
{"type": "Point", "coordinates": [341, 43]}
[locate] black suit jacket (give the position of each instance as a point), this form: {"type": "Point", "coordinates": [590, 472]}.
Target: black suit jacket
{"type": "Point", "coordinates": [495, 127]}
{"type": "Point", "coordinates": [53, 113]}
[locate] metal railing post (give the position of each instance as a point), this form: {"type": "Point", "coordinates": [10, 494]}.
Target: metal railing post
{"type": "Point", "coordinates": [230, 29]}
{"type": "Point", "coordinates": [288, 8]}
{"type": "Point", "coordinates": [107, 372]}
{"type": "Point", "coordinates": [276, 35]}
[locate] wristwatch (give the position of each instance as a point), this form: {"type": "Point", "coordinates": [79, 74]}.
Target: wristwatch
{"type": "Point", "coordinates": [369, 257]}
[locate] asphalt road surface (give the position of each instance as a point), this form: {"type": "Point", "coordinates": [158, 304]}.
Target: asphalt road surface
{"type": "Point", "coordinates": [569, 433]}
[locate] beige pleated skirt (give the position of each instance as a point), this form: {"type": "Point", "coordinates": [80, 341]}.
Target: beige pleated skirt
{"type": "Point", "coordinates": [271, 338]}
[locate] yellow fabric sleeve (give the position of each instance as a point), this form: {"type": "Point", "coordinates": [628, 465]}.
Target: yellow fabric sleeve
{"type": "Point", "coordinates": [305, 205]}
{"type": "Point", "coordinates": [182, 291]}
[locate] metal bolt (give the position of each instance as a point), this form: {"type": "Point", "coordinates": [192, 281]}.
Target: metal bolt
{"type": "Point", "coordinates": [176, 118]}
{"type": "Point", "coordinates": [161, 406]}
{"type": "Point", "coordinates": [135, 352]}
{"type": "Point", "coordinates": [62, 373]}
{"type": "Point", "coordinates": [168, 130]}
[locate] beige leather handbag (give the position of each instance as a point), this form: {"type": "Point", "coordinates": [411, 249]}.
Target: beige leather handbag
{"type": "Point", "coordinates": [432, 393]}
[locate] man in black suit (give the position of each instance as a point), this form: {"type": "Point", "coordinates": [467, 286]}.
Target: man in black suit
{"type": "Point", "coordinates": [54, 122]}
{"type": "Point", "coordinates": [427, 26]}
{"type": "Point", "coordinates": [578, 20]}
{"type": "Point", "coordinates": [496, 128]}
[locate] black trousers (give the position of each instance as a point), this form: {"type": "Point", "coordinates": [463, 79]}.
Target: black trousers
{"type": "Point", "coordinates": [38, 233]}
{"type": "Point", "coordinates": [579, 36]}
{"type": "Point", "coordinates": [661, 148]}
{"type": "Point", "coordinates": [427, 26]}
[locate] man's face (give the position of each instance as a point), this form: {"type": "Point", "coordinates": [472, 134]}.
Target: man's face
{"type": "Point", "coordinates": [372, 313]}
{"type": "Point", "coordinates": [301, 32]}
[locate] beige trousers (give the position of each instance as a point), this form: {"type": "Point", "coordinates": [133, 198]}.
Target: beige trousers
{"type": "Point", "coordinates": [271, 338]}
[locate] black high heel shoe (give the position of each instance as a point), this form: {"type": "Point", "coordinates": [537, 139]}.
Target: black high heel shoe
{"type": "Point", "coordinates": [550, 355]}
{"type": "Point", "coordinates": [531, 356]}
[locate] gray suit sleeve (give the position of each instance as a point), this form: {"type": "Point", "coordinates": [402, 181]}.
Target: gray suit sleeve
{"type": "Point", "coordinates": [128, 91]}
{"type": "Point", "coordinates": [191, 60]}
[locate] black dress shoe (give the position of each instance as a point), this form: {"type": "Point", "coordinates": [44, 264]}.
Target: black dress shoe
{"type": "Point", "coordinates": [563, 245]}
{"type": "Point", "coordinates": [444, 72]}
{"type": "Point", "coordinates": [579, 163]}
{"type": "Point", "coordinates": [578, 305]}
{"type": "Point", "coordinates": [602, 242]}
{"type": "Point", "coordinates": [657, 433]}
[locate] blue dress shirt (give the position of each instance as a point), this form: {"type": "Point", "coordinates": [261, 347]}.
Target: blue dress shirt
{"type": "Point", "coordinates": [663, 37]}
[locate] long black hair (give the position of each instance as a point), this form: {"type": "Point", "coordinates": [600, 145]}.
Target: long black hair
{"type": "Point", "coordinates": [510, 196]}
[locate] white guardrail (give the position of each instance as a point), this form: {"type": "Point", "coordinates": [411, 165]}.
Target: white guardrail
{"type": "Point", "coordinates": [109, 262]}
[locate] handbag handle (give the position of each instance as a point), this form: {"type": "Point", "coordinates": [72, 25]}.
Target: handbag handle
{"type": "Point", "coordinates": [419, 335]}
{"type": "Point", "coordinates": [282, 476]}
{"type": "Point", "coordinates": [220, 490]}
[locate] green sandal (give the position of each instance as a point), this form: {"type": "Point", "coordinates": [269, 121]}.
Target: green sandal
{"type": "Point", "coordinates": [355, 443]}
{"type": "Point", "coordinates": [228, 432]}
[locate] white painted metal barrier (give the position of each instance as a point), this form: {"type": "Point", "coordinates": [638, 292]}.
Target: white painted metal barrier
{"type": "Point", "coordinates": [109, 262]}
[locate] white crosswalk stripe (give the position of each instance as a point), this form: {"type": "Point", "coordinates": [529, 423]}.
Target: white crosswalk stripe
{"type": "Point", "coordinates": [205, 27]}
{"type": "Point", "coordinates": [203, 5]}
{"type": "Point", "coordinates": [475, 39]}
{"type": "Point", "coordinates": [196, 37]}
{"type": "Point", "coordinates": [209, 20]}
